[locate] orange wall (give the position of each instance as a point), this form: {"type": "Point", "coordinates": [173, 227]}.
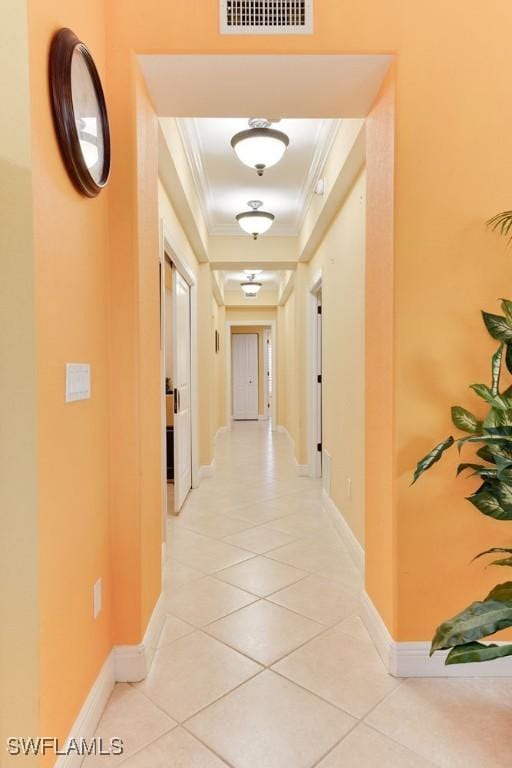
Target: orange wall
{"type": "Point", "coordinates": [71, 263]}
{"type": "Point", "coordinates": [95, 267]}
{"type": "Point", "coordinates": [451, 173]}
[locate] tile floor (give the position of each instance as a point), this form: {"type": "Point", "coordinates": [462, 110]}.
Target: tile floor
{"type": "Point", "coordinates": [263, 661]}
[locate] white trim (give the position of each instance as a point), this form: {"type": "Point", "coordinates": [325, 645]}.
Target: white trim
{"type": "Point", "coordinates": [192, 145]}
{"type": "Point", "coordinates": [220, 431]}
{"type": "Point", "coordinates": [314, 456]}
{"type": "Point", "coordinates": [206, 470]}
{"type": "Point", "coordinates": [273, 335]}
{"type": "Point", "coordinates": [90, 714]}
{"type": "Point", "coordinates": [412, 659]}
{"type": "Point", "coordinates": [354, 548]}
{"type": "Point", "coordinates": [286, 289]}
{"type": "Point", "coordinates": [301, 469]}
{"type": "Point", "coordinates": [167, 246]}
{"type": "Point", "coordinates": [133, 662]}
{"type": "Point", "coordinates": [125, 663]}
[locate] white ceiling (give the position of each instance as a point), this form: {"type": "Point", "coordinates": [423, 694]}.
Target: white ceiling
{"type": "Point", "coordinates": [225, 185]}
{"type": "Point", "coordinates": [273, 85]}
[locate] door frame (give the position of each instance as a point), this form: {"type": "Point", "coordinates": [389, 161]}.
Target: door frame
{"type": "Point", "coordinates": [266, 394]}
{"type": "Point", "coordinates": [169, 247]}
{"type": "Point", "coordinates": [255, 337]}
{"type": "Point", "coordinates": [272, 324]}
{"type": "Point", "coordinates": [315, 411]}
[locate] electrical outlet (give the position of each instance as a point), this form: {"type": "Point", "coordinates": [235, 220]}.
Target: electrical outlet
{"type": "Point", "coordinates": [97, 598]}
{"type": "Point", "coordinates": [349, 488]}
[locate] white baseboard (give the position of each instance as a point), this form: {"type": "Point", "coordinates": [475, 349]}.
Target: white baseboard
{"type": "Point", "coordinates": [87, 721]}
{"type": "Point", "coordinates": [220, 431]}
{"type": "Point", "coordinates": [207, 470]}
{"type": "Point", "coordinates": [125, 663]}
{"type": "Point", "coordinates": [412, 659]}
{"type": "Point", "coordinates": [133, 662]}
{"type": "Point", "coordinates": [405, 659]}
{"type": "Point", "coordinates": [303, 470]}
{"type": "Point", "coordinates": [354, 548]}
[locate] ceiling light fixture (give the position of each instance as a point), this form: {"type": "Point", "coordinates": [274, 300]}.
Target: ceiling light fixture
{"type": "Point", "coordinates": [250, 287]}
{"type": "Point", "coordinates": [260, 146]}
{"type": "Point", "coordinates": [255, 222]}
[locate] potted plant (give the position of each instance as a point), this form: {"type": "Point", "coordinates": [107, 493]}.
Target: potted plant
{"type": "Point", "coordinates": [461, 634]}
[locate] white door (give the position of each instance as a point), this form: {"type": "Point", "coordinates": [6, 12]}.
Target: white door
{"type": "Point", "coordinates": [245, 375]}
{"type": "Point", "coordinates": [182, 398]}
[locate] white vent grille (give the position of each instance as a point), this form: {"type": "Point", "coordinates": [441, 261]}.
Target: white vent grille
{"type": "Point", "coordinates": [266, 17]}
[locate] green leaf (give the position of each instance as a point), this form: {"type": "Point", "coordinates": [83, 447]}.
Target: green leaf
{"type": "Point", "coordinates": [506, 306]}
{"type": "Point", "coordinates": [502, 221]}
{"type": "Point", "coordinates": [473, 652]}
{"type": "Point", "coordinates": [505, 561]}
{"type": "Point", "coordinates": [497, 326]}
{"type": "Point", "coordinates": [488, 504]}
{"type": "Point", "coordinates": [502, 592]}
{"type": "Point", "coordinates": [496, 368]}
{"type": "Point", "coordinates": [431, 458]}
{"type": "Point", "coordinates": [493, 551]}
{"type": "Point", "coordinates": [496, 401]}
{"type": "Point", "coordinates": [478, 620]}
{"type": "Point", "coordinates": [485, 453]}
{"type": "Point", "coordinates": [486, 473]}
{"type": "Point", "coordinates": [497, 419]}
{"type": "Point", "coordinates": [508, 357]}
{"type": "Point", "coordinates": [503, 493]}
{"type": "Point", "coordinates": [465, 420]}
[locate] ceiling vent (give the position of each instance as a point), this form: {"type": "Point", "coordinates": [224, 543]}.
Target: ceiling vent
{"type": "Point", "coordinates": [266, 17]}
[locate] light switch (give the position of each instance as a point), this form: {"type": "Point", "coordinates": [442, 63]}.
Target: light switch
{"type": "Point", "coordinates": [78, 381]}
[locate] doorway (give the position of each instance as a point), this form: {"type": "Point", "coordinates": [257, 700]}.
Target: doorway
{"type": "Point", "coordinates": [245, 382]}
{"type": "Point", "coordinates": [178, 411]}
{"type": "Point", "coordinates": [265, 330]}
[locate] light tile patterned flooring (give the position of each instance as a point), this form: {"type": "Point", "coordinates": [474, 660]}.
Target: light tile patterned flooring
{"type": "Point", "coordinates": [263, 661]}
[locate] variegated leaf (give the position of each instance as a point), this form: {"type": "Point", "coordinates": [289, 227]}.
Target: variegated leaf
{"type": "Point", "coordinates": [466, 421]}
{"type": "Point", "coordinates": [497, 326]}
{"type": "Point", "coordinates": [473, 652]}
{"type": "Point", "coordinates": [496, 401]}
{"type": "Point", "coordinates": [502, 592]}
{"type": "Point", "coordinates": [432, 457]}
{"type": "Point", "coordinates": [493, 551]}
{"type": "Point", "coordinates": [488, 504]}
{"type": "Point", "coordinates": [496, 369]}
{"type": "Point", "coordinates": [478, 620]}
{"type": "Point", "coordinates": [506, 306]}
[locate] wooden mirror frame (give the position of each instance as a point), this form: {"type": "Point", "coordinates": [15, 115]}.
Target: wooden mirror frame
{"type": "Point", "coordinates": [63, 45]}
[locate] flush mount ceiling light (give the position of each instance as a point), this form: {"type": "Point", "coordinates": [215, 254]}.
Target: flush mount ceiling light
{"type": "Point", "coordinates": [255, 222]}
{"type": "Point", "coordinates": [250, 287]}
{"type": "Point", "coordinates": [260, 146]}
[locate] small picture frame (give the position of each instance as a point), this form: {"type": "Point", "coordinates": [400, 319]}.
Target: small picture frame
{"type": "Point", "coordinates": [217, 342]}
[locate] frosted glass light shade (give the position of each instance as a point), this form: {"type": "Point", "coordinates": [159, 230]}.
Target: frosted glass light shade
{"type": "Point", "coordinates": [260, 148]}
{"type": "Point", "coordinates": [255, 222]}
{"type": "Point", "coordinates": [250, 289]}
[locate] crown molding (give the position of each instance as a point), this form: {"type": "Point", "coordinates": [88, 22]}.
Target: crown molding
{"type": "Point", "coordinates": [191, 140]}
{"type": "Point", "coordinates": [326, 135]}
{"type": "Point", "coordinates": [189, 135]}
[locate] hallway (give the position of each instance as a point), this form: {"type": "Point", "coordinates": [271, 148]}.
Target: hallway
{"type": "Point", "coordinates": [263, 661]}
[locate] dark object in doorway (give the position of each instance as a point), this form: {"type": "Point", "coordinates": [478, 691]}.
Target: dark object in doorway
{"type": "Point", "coordinates": [217, 342]}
